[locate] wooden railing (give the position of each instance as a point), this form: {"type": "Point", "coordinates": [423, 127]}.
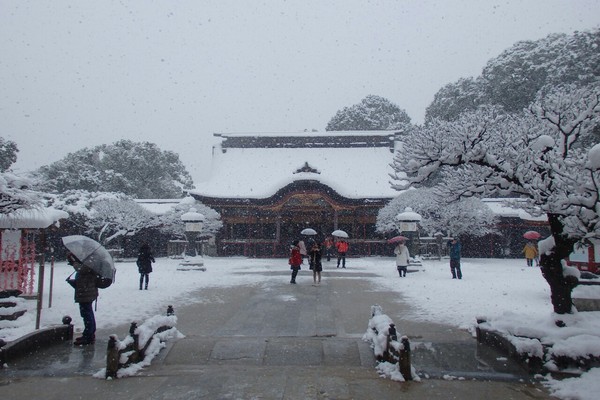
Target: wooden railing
{"type": "Point", "coordinates": [134, 351]}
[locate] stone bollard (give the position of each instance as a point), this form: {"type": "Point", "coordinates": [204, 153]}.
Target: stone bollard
{"type": "Point", "coordinates": [404, 364]}
{"type": "Point", "coordinates": [136, 355]}
{"type": "Point", "coordinates": [112, 358]}
{"type": "Point", "coordinates": [66, 320]}
{"type": "Point", "coordinates": [390, 354]}
{"type": "Point", "coordinates": [392, 332]}
{"type": "Point", "coordinates": [170, 311]}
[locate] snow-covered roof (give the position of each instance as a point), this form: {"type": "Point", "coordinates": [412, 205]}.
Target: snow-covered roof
{"type": "Point", "coordinates": [253, 172]}
{"type": "Point", "coordinates": [158, 206]}
{"type": "Point", "coordinates": [32, 219]}
{"type": "Point", "coordinates": [499, 207]}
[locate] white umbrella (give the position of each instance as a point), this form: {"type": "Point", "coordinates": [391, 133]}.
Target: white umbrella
{"type": "Point", "coordinates": [308, 231]}
{"type": "Point", "coordinates": [339, 233]}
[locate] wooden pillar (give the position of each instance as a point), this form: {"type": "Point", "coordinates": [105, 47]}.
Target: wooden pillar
{"type": "Point", "coordinates": [278, 227]}
{"type": "Point", "coordinates": [335, 219]}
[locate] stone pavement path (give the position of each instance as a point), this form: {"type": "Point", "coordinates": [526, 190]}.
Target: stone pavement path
{"type": "Point", "coordinates": [282, 341]}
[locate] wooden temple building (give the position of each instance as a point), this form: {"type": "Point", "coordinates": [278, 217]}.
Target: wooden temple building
{"type": "Point", "coordinates": [268, 187]}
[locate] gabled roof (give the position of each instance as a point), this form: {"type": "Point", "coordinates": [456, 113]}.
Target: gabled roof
{"type": "Point", "coordinates": [354, 164]}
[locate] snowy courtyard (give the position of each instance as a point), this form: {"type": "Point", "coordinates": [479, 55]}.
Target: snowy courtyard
{"type": "Point", "coordinates": [504, 291]}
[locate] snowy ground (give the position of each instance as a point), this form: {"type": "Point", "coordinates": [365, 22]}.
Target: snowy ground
{"type": "Point", "coordinates": [507, 292]}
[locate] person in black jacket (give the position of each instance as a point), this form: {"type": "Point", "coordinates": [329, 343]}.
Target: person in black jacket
{"type": "Point", "coordinates": [144, 263]}
{"type": "Point", "coordinates": [315, 262]}
{"type": "Point", "coordinates": [86, 292]}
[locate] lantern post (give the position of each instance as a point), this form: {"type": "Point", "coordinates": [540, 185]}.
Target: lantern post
{"type": "Point", "coordinates": [408, 220]}
{"type": "Point", "coordinates": [194, 222]}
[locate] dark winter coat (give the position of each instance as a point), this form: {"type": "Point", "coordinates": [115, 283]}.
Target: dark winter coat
{"type": "Point", "coordinates": [145, 260]}
{"type": "Point", "coordinates": [84, 283]}
{"type": "Point", "coordinates": [454, 250]}
{"type": "Point", "coordinates": [315, 259]}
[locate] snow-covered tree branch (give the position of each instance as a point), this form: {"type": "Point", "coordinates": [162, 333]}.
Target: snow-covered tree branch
{"type": "Point", "coordinates": [16, 195]}
{"type": "Point", "coordinates": [538, 154]}
{"type": "Point", "coordinates": [467, 216]}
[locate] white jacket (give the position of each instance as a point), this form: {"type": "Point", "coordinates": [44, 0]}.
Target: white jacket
{"type": "Point", "coordinates": [402, 256]}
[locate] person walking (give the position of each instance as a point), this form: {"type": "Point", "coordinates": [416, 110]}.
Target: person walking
{"type": "Point", "coordinates": [402, 258]}
{"type": "Point", "coordinates": [454, 252]}
{"type": "Point", "coordinates": [342, 248]}
{"type": "Point", "coordinates": [531, 253]}
{"type": "Point", "coordinates": [315, 262]}
{"type": "Point", "coordinates": [295, 260]}
{"type": "Point", "coordinates": [86, 292]}
{"type": "Point", "coordinates": [144, 264]}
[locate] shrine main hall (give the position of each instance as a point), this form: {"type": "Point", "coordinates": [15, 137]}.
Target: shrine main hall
{"type": "Point", "coordinates": [268, 187]}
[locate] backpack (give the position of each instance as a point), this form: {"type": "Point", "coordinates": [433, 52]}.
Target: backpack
{"type": "Point", "coordinates": [103, 283]}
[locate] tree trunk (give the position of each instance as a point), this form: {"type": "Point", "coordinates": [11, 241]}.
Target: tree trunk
{"type": "Point", "coordinates": [551, 265]}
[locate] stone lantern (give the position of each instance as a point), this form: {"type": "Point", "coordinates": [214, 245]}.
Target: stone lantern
{"type": "Point", "coordinates": [408, 220]}
{"type": "Point", "coordinates": [194, 222]}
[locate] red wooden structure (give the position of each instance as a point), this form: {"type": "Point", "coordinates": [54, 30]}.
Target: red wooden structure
{"type": "Point", "coordinates": [17, 261]}
{"type": "Point", "coordinates": [586, 258]}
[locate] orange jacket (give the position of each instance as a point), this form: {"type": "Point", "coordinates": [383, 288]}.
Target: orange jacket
{"type": "Point", "coordinates": [342, 247]}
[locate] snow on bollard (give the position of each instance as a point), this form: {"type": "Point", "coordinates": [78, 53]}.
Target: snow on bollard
{"type": "Point", "coordinates": [393, 357]}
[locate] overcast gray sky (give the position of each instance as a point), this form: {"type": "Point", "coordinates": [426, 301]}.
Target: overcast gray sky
{"type": "Point", "coordinates": [77, 74]}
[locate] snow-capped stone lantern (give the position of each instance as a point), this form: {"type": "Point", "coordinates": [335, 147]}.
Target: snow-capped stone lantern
{"type": "Point", "coordinates": [408, 220]}
{"type": "Point", "coordinates": [194, 222]}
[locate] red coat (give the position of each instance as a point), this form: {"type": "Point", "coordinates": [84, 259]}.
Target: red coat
{"type": "Point", "coordinates": [295, 258]}
{"type": "Point", "coordinates": [342, 247]}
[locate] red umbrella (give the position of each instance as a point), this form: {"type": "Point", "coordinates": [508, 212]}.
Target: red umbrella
{"type": "Point", "coordinates": [532, 235]}
{"type": "Point", "coordinates": [397, 239]}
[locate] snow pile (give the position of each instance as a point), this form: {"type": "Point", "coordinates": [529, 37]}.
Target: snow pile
{"type": "Point", "coordinates": [585, 387]}
{"type": "Point", "coordinates": [561, 348]}
{"type": "Point", "coordinates": [378, 331]}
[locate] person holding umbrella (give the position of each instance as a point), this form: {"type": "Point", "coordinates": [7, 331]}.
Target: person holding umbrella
{"type": "Point", "coordinates": [94, 268]}
{"type": "Point", "coordinates": [86, 292]}
{"type": "Point", "coordinates": [531, 253]}
{"type": "Point", "coordinates": [342, 248]}
{"type": "Point", "coordinates": [315, 262]}
{"type": "Point", "coordinates": [530, 249]}
{"type": "Point", "coordinates": [402, 258]}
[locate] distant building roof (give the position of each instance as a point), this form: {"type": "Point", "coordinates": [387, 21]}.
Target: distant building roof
{"type": "Point", "coordinates": [355, 164]}
{"type": "Point", "coordinates": [158, 206]}
{"type": "Point", "coordinates": [500, 208]}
